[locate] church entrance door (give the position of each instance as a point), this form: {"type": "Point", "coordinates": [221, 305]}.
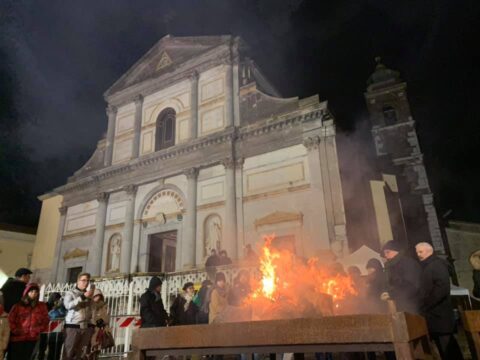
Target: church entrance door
{"type": "Point", "coordinates": [162, 251]}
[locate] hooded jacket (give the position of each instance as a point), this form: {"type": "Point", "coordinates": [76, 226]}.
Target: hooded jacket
{"type": "Point", "coordinates": [99, 310]}
{"type": "Point", "coordinates": [152, 311]}
{"type": "Point", "coordinates": [100, 318]}
{"type": "Point", "coordinates": [78, 307]}
{"type": "Point", "coordinates": [27, 319]}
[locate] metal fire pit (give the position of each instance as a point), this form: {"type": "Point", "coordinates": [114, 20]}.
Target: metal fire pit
{"type": "Point", "coordinates": [404, 333]}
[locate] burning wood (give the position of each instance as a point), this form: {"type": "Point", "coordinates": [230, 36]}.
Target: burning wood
{"type": "Point", "coordinates": [290, 287]}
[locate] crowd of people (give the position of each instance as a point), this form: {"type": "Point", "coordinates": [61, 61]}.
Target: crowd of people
{"type": "Point", "coordinates": [417, 286]}
{"type": "Point", "coordinates": [189, 308]}
{"type": "Point", "coordinates": [24, 321]}
{"type": "Point", "coordinates": [420, 286]}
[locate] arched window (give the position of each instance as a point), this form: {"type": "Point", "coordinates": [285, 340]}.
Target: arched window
{"type": "Point", "coordinates": [389, 115]}
{"type": "Point", "coordinates": [165, 134]}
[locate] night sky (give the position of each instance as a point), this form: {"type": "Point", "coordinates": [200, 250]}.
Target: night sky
{"type": "Point", "coordinates": [58, 57]}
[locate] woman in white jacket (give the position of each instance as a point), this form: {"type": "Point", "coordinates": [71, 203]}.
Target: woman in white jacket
{"type": "Point", "coordinates": [101, 319]}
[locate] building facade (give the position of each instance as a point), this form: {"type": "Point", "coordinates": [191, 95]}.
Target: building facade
{"type": "Point", "coordinates": [16, 247]}
{"type": "Point", "coordinates": [201, 153]}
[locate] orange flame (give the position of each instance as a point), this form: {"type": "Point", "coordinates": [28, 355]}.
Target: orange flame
{"type": "Point", "coordinates": [268, 270]}
{"type": "Point", "coordinates": [301, 286]}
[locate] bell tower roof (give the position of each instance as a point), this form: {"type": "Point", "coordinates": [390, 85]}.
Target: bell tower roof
{"type": "Point", "coordinates": [382, 76]}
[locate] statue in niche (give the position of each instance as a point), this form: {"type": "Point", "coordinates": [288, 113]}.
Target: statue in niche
{"type": "Point", "coordinates": [114, 253]}
{"type": "Point", "coordinates": [212, 234]}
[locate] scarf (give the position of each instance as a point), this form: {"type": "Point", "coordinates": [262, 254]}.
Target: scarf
{"type": "Point", "coordinates": [188, 299]}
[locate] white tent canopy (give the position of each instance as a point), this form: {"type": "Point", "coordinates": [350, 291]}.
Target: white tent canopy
{"type": "Point", "coordinates": [360, 258]}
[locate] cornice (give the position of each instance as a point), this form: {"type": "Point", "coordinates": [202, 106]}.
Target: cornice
{"type": "Point", "coordinates": [229, 135]}
{"type": "Point", "coordinates": [278, 124]}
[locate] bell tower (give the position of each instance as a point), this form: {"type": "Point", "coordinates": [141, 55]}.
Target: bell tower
{"type": "Point", "coordinates": [400, 158]}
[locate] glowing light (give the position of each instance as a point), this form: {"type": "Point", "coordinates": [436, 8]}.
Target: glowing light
{"type": "Point", "coordinates": [288, 284]}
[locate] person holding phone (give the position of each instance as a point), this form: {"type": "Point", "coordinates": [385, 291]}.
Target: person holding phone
{"type": "Point", "coordinates": [78, 326]}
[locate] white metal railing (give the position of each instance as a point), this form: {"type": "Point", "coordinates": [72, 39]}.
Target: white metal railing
{"type": "Point", "coordinates": [122, 296]}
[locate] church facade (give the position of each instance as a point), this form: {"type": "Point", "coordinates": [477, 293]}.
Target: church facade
{"type": "Point", "coordinates": [202, 153]}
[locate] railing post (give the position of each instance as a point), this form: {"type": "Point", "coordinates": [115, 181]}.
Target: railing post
{"type": "Point", "coordinates": [42, 292]}
{"type": "Point", "coordinates": [128, 330]}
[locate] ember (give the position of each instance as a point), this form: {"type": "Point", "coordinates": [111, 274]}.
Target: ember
{"type": "Point", "coordinates": [290, 287]}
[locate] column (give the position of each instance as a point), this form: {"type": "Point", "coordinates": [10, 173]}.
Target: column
{"type": "Point", "coordinates": [135, 247]}
{"type": "Point", "coordinates": [58, 246]}
{"type": "Point", "coordinates": [328, 151]}
{"type": "Point", "coordinates": [230, 228]}
{"type": "Point", "coordinates": [235, 83]}
{"type": "Point", "coordinates": [137, 126]}
{"type": "Point", "coordinates": [322, 227]}
{"type": "Point", "coordinates": [97, 248]}
{"type": "Point", "coordinates": [112, 115]}
{"type": "Point", "coordinates": [127, 241]}
{"type": "Point", "coordinates": [239, 205]}
{"type": "Point", "coordinates": [194, 105]}
{"type": "Point", "coordinates": [229, 95]}
{"type": "Point", "coordinates": [190, 227]}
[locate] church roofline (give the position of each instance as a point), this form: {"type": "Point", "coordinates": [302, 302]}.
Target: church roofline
{"type": "Point", "coordinates": [216, 41]}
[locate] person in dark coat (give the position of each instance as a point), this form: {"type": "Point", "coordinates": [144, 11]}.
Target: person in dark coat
{"type": "Point", "coordinates": [376, 284]}
{"type": "Point", "coordinates": [436, 305]}
{"type": "Point", "coordinates": [224, 259]}
{"type": "Point", "coordinates": [212, 262]}
{"type": "Point", "coordinates": [403, 278]}
{"type": "Point", "coordinates": [152, 311]}
{"type": "Point", "coordinates": [14, 287]}
{"type": "Point", "coordinates": [201, 300]}
{"type": "Point", "coordinates": [183, 310]}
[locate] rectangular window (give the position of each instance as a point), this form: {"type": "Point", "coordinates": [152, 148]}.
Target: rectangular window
{"type": "Point", "coordinates": [73, 273]}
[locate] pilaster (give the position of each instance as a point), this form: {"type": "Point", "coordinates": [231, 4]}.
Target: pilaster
{"type": "Point", "coordinates": [112, 115]}
{"type": "Point", "coordinates": [95, 261]}
{"type": "Point", "coordinates": [239, 205]}
{"type": "Point", "coordinates": [236, 84]}
{"type": "Point", "coordinates": [58, 245]}
{"type": "Point", "coordinates": [127, 241]}
{"type": "Point", "coordinates": [194, 104]}
{"type": "Point", "coordinates": [229, 95]}
{"type": "Point", "coordinates": [230, 230]}
{"type": "Point", "coordinates": [137, 126]}
{"type": "Point", "coordinates": [320, 208]}
{"type": "Point", "coordinates": [189, 238]}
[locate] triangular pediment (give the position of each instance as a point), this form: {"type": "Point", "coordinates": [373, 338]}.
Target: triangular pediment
{"type": "Point", "coordinates": [165, 56]}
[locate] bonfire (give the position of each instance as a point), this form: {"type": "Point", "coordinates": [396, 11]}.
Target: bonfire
{"type": "Point", "coordinates": [290, 287]}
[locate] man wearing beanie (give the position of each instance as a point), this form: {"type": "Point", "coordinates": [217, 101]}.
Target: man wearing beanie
{"type": "Point", "coordinates": [152, 311]}
{"type": "Point", "coordinates": [403, 278]}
